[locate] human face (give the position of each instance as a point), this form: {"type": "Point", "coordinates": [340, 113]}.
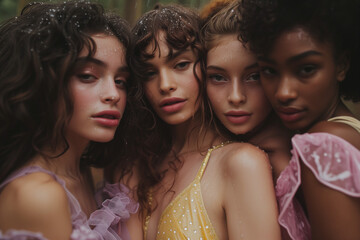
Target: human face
{"type": "Point", "coordinates": [171, 86]}
{"type": "Point", "coordinates": [300, 78]}
{"type": "Point", "coordinates": [98, 91]}
{"type": "Point", "coordinates": [233, 86]}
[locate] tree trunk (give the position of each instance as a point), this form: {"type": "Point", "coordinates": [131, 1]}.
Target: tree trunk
{"type": "Point", "coordinates": [21, 5]}
{"type": "Point", "coordinates": [133, 10]}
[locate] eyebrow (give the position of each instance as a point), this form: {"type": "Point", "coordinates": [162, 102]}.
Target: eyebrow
{"type": "Point", "coordinates": [255, 65]}
{"type": "Point", "coordinates": [173, 55]}
{"type": "Point", "coordinates": [294, 58]}
{"type": "Point", "coordinates": [83, 60]}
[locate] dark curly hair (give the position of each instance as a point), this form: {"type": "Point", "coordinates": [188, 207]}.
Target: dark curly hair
{"type": "Point", "coordinates": [38, 50]}
{"type": "Point", "coordinates": [334, 21]}
{"type": "Point", "coordinates": [181, 26]}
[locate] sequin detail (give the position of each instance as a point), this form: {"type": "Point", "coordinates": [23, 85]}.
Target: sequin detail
{"type": "Point", "coordinates": [186, 217]}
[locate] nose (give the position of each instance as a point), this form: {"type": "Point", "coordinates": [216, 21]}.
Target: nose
{"type": "Point", "coordinates": [109, 91]}
{"type": "Point", "coordinates": [237, 94]}
{"type": "Point", "coordinates": [286, 90]}
{"type": "Point", "coordinates": [167, 82]}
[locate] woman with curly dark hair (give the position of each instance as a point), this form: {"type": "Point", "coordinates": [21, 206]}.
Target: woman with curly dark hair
{"type": "Point", "coordinates": [63, 91]}
{"type": "Point", "coordinates": [308, 52]}
{"type": "Point", "coordinates": [190, 182]}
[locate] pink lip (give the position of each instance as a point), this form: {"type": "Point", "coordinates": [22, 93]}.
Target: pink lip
{"type": "Point", "coordinates": [238, 117]}
{"type": "Point", "coordinates": [108, 118]}
{"type": "Point", "coordinates": [290, 114]}
{"type": "Point", "coordinates": [171, 105]}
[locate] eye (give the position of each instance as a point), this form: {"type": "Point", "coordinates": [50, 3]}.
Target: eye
{"type": "Point", "coordinates": [216, 78]}
{"type": "Point", "coordinates": [121, 83]}
{"type": "Point", "coordinates": [150, 74]}
{"type": "Point", "coordinates": [307, 70]}
{"type": "Point", "coordinates": [253, 77]}
{"type": "Point", "coordinates": [268, 71]}
{"type": "Point", "coordinates": [182, 65]}
{"type": "Point", "coordinates": [86, 77]}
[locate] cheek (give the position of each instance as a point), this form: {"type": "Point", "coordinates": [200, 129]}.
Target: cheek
{"type": "Point", "coordinates": [215, 95]}
{"type": "Point", "coordinates": [193, 85]}
{"type": "Point", "coordinates": [269, 89]}
{"type": "Point", "coordinates": [260, 101]}
{"type": "Point", "coordinates": [149, 93]}
{"type": "Point", "coordinates": [82, 97]}
{"type": "Point", "coordinates": [122, 104]}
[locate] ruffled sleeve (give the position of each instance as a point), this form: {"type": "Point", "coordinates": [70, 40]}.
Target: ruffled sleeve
{"type": "Point", "coordinates": [333, 161]}
{"type": "Point", "coordinates": [21, 235]}
{"type": "Point", "coordinates": [109, 220]}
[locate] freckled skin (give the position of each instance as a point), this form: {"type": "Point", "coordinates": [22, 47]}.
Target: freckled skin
{"type": "Point", "coordinates": [233, 84]}
{"type": "Point", "coordinates": [171, 79]}
{"type": "Point", "coordinates": [99, 93]}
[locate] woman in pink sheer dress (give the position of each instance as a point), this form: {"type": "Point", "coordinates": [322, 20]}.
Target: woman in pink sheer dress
{"type": "Point", "coordinates": [63, 91]}
{"type": "Point", "coordinates": [308, 52]}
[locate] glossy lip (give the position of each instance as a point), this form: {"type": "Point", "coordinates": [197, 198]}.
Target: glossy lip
{"type": "Point", "coordinates": [171, 105]}
{"type": "Point", "coordinates": [108, 118]}
{"type": "Point", "coordinates": [290, 114]}
{"type": "Point", "coordinates": [238, 117]}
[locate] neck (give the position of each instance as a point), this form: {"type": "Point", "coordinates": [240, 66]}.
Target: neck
{"type": "Point", "coordinates": [272, 121]}
{"type": "Point", "coordinates": [188, 137]}
{"type": "Point", "coordinates": [65, 163]}
{"type": "Point", "coordinates": [341, 110]}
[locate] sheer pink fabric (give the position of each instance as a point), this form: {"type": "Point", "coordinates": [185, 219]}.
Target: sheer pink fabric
{"type": "Point", "coordinates": [104, 221]}
{"type": "Point", "coordinates": [334, 162]}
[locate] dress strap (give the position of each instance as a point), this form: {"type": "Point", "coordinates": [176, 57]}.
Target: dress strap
{"type": "Point", "coordinates": [207, 157]}
{"type": "Point", "coordinates": [353, 122]}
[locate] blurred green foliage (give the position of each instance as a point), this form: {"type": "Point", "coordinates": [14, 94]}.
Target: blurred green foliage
{"type": "Point", "coordinates": [129, 9]}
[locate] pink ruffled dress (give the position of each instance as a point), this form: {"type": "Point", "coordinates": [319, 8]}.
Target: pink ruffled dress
{"type": "Point", "coordinates": [103, 224]}
{"type": "Point", "coordinates": [334, 162]}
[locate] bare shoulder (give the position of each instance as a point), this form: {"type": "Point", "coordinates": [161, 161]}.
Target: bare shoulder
{"type": "Point", "coordinates": [32, 199]}
{"type": "Point", "coordinates": [341, 130]}
{"type": "Point", "coordinates": [244, 157]}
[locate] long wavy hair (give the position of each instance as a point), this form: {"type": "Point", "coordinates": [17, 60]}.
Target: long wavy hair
{"type": "Point", "coordinates": [333, 21]}
{"type": "Point", "coordinates": [223, 21]}
{"type": "Point", "coordinates": [37, 52]}
{"type": "Point", "coordinates": [181, 27]}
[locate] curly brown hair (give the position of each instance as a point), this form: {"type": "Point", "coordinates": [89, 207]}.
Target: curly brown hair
{"type": "Point", "coordinates": [37, 52]}
{"type": "Point", "coordinates": [181, 26]}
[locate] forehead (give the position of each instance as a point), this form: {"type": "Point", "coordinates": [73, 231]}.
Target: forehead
{"type": "Point", "coordinates": [228, 47]}
{"type": "Point", "coordinates": [106, 46]}
{"type": "Point", "coordinates": [297, 41]}
{"type": "Point", "coordinates": [158, 45]}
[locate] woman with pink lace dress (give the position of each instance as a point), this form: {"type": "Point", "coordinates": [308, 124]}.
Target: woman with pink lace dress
{"type": "Point", "coordinates": [308, 52]}
{"type": "Point", "coordinates": [63, 91]}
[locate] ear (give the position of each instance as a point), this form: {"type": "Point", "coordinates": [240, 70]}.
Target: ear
{"type": "Point", "coordinates": [342, 67]}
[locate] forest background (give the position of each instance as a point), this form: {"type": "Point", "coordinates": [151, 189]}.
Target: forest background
{"type": "Point", "coordinates": [131, 10]}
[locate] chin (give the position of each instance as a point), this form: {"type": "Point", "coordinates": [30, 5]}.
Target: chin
{"type": "Point", "coordinates": [295, 126]}
{"type": "Point", "coordinates": [103, 139]}
{"type": "Point", "coordinates": [238, 131]}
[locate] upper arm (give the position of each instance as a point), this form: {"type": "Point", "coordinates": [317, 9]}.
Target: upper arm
{"type": "Point", "coordinates": [332, 214]}
{"type": "Point", "coordinates": [36, 206]}
{"type": "Point", "coordinates": [341, 130]}
{"type": "Point", "coordinates": [249, 197]}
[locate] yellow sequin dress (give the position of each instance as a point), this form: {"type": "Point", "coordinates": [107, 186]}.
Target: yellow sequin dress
{"type": "Point", "coordinates": [186, 217]}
